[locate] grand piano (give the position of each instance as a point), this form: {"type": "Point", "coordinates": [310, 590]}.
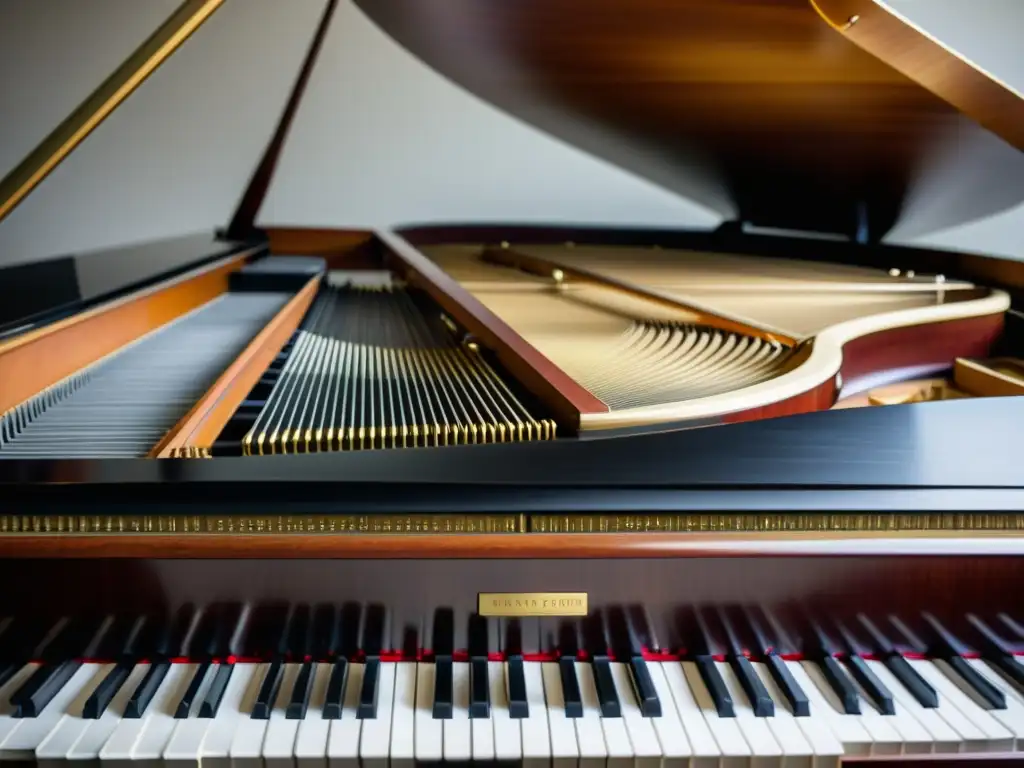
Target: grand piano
{"type": "Point", "coordinates": [538, 492]}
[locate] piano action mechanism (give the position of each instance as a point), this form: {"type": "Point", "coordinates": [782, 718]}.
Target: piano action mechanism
{"type": "Point", "coordinates": [455, 492]}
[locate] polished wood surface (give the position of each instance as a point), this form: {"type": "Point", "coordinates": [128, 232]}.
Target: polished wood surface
{"type": "Point", "coordinates": [566, 398]}
{"type": "Point", "coordinates": [651, 368]}
{"type": "Point", "coordinates": [571, 546]}
{"type": "Point", "coordinates": [884, 33]}
{"type": "Point", "coordinates": [755, 108]}
{"type": "Point", "coordinates": [342, 248]}
{"type": "Point", "coordinates": [199, 428]}
{"type": "Point", "coordinates": [38, 359]}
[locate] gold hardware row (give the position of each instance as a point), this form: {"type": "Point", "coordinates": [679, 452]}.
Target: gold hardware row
{"type": "Point", "coordinates": [379, 524]}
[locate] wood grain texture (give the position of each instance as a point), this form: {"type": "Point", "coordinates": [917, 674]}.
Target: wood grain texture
{"type": "Point", "coordinates": [510, 257]}
{"type": "Point", "coordinates": [39, 359]}
{"type": "Point", "coordinates": [571, 546]}
{"type": "Point", "coordinates": [952, 77]}
{"type": "Point", "coordinates": [342, 248]}
{"type": "Point", "coordinates": [198, 429]}
{"type": "Point", "coordinates": [567, 399]}
{"type": "Point", "coordinates": [754, 108]}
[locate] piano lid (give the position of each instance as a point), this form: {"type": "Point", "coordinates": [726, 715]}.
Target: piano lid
{"type": "Point", "coordinates": [807, 129]}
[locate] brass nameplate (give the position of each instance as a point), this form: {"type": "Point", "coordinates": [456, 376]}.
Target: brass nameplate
{"type": "Point", "coordinates": [532, 604]}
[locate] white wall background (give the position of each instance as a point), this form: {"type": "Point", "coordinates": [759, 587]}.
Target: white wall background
{"type": "Point", "coordinates": [175, 156]}
{"type": "Point", "coordinates": [380, 139]}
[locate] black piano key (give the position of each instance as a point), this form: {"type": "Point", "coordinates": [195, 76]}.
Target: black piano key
{"type": "Point", "coordinates": [215, 695]}
{"type": "Point", "coordinates": [375, 630]}
{"type": "Point", "coordinates": [443, 689]}
{"type": "Point", "coordinates": [349, 621]}
{"type": "Point", "coordinates": [35, 702]}
{"type": "Point", "coordinates": [758, 696]}
{"type": "Point", "coordinates": [335, 697]}
{"type": "Point", "coordinates": [325, 632]}
{"type": "Point", "coordinates": [997, 651]}
{"type": "Point", "coordinates": [798, 701]}
{"type": "Point", "coordinates": [911, 679]}
{"type": "Point", "coordinates": [268, 692]}
{"type": "Point", "coordinates": [300, 635]}
{"type": "Point", "coordinates": [188, 698]}
{"type": "Point", "coordinates": [299, 702]}
{"type": "Point", "coordinates": [991, 695]}
{"type": "Point", "coordinates": [100, 698]}
{"type": "Point", "coordinates": [872, 686]}
{"type": "Point", "coordinates": [607, 696]}
{"type": "Point", "coordinates": [171, 642]}
{"type": "Point", "coordinates": [479, 689]}
{"type": "Point", "coordinates": [369, 693]}
{"type": "Point", "coordinates": [116, 639]}
{"type": "Point", "coordinates": [951, 649]}
{"type": "Point", "coordinates": [1012, 624]}
{"type": "Point", "coordinates": [7, 670]}
{"type": "Point", "coordinates": [570, 688]}
{"type": "Point", "coordinates": [225, 627]}
{"type": "Point", "coordinates": [840, 684]}
{"type": "Point", "coordinates": [716, 686]}
{"type": "Point", "coordinates": [643, 689]}
{"type": "Point", "coordinates": [143, 695]}
{"type": "Point", "coordinates": [22, 639]}
{"type": "Point", "coordinates": [518, 705]}
{"type": "Point", "coordinates": [265, 629]}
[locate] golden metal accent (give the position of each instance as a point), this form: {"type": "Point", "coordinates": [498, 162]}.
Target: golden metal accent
{"type": "Point", "coordinates": [380, 524]}
{"type": "Point", "coordinates": [34, 525]}
{"type": "Point", "coordinates": [532, 604]}
{"type": "Point", "coordinates": [786, 522]}
{"type": "Point", "coordinates": [188, 17]}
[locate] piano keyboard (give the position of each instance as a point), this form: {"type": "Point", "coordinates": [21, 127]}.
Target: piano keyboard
{"type": "Point", "coordinates": [172, 692]}
{"type": "Point", "coordinates": [122, 406]}
{"type": "Point", "coordinates": [369, 368]}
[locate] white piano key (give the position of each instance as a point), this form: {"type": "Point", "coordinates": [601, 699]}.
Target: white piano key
{"type": "Point", "coordinates": [825, 747]}
{"type": "Point", "coordinates": [944, 739]}
{"type": "Point", "coordinates": [590, 738]}
{"type": "Point", "coordinates": [282, 733]}
{"type": "Point", "coordinates": [428, 736]}
{"type": "Point", "coordinates": [246, 750]}
{"type": "Point", "coordinates": [99, 731]}
{"type": "Point", "coordinates": [973, 739]}
{"type": "Point", "coordinates": [735, 750]}
{"type": "Point", "coordinates": [675, 747]}
{"type": "Point", "coordinates": [184, 748]}
{"type": "Point", "coordinates": [215, 751]}
{"type": "Point", "coordinates": [279, 738]}
{"type": "Point", "coordinates": [375, 741]}
{"type": "Point", "coordinates": [508, 736]}
{"type": "Point", "coordinates": [128, 733]}
{"type": "Point", "coordinates": [1012, 717]}
{"type": "Point", "coordinates": [343, 742]}
{"type": "Point", "coordinates": [886, 737]}
{"type": "Point", "coordinates": [403, 718]}
{"type": "Point", "coordinates": [825, 706]}
{"type": "Point", "coordinates": [21, 742]}
{"type": "Point", "coordinates": [311, 739]}
{"type": "Point", "coordinates": [536, 734]}
{"type": "Point", "coordinates": [483, 728]}
{"type": "Point", "coordinates": [458, 738]}
{"type": "Point", "coordinates": [997, 738]}
{"type": "Point", "coordinates": [148, 750]}
{"type": "Point", "coordinates": [767, 751]}
{"type": "Point", "coordinates": [564, 750]}
{"type": "Point", "coordinates": [670, 682]}
{"type": "Point", "coordinates": [55, 747]}
{"type": "Point", "coordinates": [7, 722]}
{"type": "Point", "coordinates": [646, 749]}
{"type": "Point", "coordinates": [914, 737]}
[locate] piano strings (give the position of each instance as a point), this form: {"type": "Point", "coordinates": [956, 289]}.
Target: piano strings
{"type": "Point", "coordinates": [369, 369]}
